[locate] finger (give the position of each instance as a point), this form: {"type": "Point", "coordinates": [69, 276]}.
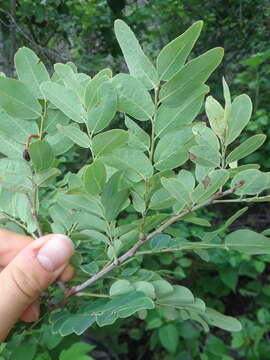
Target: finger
{"type": "Point", "coordinates": [35, 267]}
{"type": "Point", "coordinates": [31, 314]}
{"type": "Point", "coordinates": [67, 274]}
{"type": "Point", "coordinates": [11, 244]}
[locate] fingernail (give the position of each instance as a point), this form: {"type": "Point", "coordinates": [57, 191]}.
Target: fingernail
{"type": "Point", "coordinates": [55, 252]}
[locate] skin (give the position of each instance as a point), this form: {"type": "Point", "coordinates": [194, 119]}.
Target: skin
{"type": "Point", "coordinates": [22, 278]}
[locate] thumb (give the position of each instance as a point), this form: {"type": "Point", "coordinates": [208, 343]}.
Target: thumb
{"type": "Point", "coordinates": [35, 268]}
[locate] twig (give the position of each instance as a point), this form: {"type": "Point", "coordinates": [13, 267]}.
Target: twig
{"type": "Point", "coordinates": [132, 251]}
{"type": "Point", "coordinates": [10, 218]}
{"type": "Point", "coordinates": [34, 211]}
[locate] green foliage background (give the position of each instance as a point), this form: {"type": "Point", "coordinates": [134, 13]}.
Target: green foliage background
{"type": "Point", "coordinates": [81, 31]}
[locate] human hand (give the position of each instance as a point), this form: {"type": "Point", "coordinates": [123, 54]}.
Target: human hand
{"type": "Point", "coordinates": [27, 268]}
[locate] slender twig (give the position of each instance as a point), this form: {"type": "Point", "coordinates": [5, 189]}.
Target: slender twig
{"type": "Point", "coordinates": [93, 295]}
{"type": "Point", "coordinates": [133, 250]}
{"type": "Point", "coordinates": [10, 218]}
{"type": "Point", "coordinates": [153, 121]}
{"type": "Point", "coordinates": [192, 246]}
{"type": "Point", "coordinates": [251, 199]}
{"type": "Point", "coordinates": [34, 210]}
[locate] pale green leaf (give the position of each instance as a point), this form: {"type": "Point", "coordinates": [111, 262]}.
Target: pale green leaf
{"type": "Point", "coordinates": [108, 141]}
{"type": "Point", "coordinates": [172, 149]}
{"type": "Point", "coordinates": [238, 118]}
{"type": "Point", "coordinates": [94, 177]}
{"type": "Point", "coordinates": [17, 100]}
{"type": "Point", "coordinates": [75, 134]}
{"type": "Point", "coordinates": [91, 93]}
{"type": "Point", "coordinates": [31, 71]}
{"type": "Point", "coordinates": [254, 182]}
{"type": "Point", "coordinates": [174, 118]}
{"type": "Point", "coordinates": [134, 162]}
{"type": "Point", "coordinates": [179, 297]}
{"type": "Point", "coordinates": [41, 154]}
{"type": "Point", "coordinates": [44, 177]}
{"type": "Point", "coordinates": [133, 98]}
{"type": "Point", "coordinates": [248, 242]}
{"type": "Point", "coordinates": [247, 147]}
{"type": "Point", "coordinates": [217, 178]}
{"type": "Point", "coordinates": [225, 322]}
{"type": "Point", "coordinates": [138, 64]}
{"type": "Point", "coordinates": [120, 287]}
{"type": "Point", "coordinates": [138, 138]}
{"type": "Point", "coordinates": [173, 56]}
{"type": "Point", "coordinates": [161, 199]}
{"type": "Point", "coordinates": [69, 78]}
{"type": "Point", "coordinates": [100, 116]}
{"type": "Point", "coordinates": [65, 100]}
{"type": "Point", "coordinates": [182, 85]}
{"type": "Point", "coordinates": [216, 116]}
{"type": "Point", "coordinates": [204, 155]}
{"type": "Point", "coordinates": [177, 190]}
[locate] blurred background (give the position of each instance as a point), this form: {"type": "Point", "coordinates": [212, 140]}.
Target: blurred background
{"type": "Point", "coordinates": [82, 31]}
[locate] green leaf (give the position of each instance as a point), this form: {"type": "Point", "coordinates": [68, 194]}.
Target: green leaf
{"type": "Point", "coordinates": [94, 177]}
{"type": "Point", "coordinates": [65, 100]}
{"type": "Point", "coordinates": [133, 98]}
{"type": "Point", "coordinates": [161, 199]}
{"type": "Point", "coordinates": [138, 64]}
{"type": "Point", "coordinates": [113, 199]}
{"type": "Point", "coordinates": [172, 149]}
{"type": "Point", "coordinates": [146, 287]}
{"type": "Point", "coordinates": [216, 116]}
{"type": "Point", "coordinates": [78, 351]}
{"type": "Point", "coordinates": [108, 141]}
{"type": "Point", "coordinates": [44, 177]}
{"type": "Point", "coordinates": [134, 163]}
{"type": "Point", "coordinates": [41, 154]}
{"type": "Point", "coordinates": [92, 90]}
{"type": "Point", "coordinates": [24, 352]}
{"type": "Point", "coordinates": [217, 178]}
{"type": "Point", "coordinates": [120, 287]}
{"type": "Point", "coordinates": [31, 71]}
{"type": "Point", "coordinates": [75, 134]}
{"type": "Point", "coordinates": [138, 138]}
{"type": "Point", "coordinates": [238, 118]}
{"type": "Point", "coordinates": [17, 100]}
{"type": "Point", "coordinates": [59, 143]}
{"type": "Point", "coordinates": [248, 242]}
{"type": "Point", "coordinates": [179, 297]}
{"type": "Point", "coordinates": [9, 147]}
{"type": "Point", "coordinates": [69, 78]}
{"type": "Point", "coordinates": [211, 235]}
{"type": "Point", "coordinates": [205, 136]}
{"type": "Point", "coordinates": [247, 147]}
{"type": "Point", "coordinates": [195, 220]}
{"type": "Point", "coordinates": [229, 277]}
{"type": "Point", "coordinates": [53, 118]}
{"type": "Point", "coordinates": [162, 288]}
{"type": "Point", "coordinates": [254, 182]}
{"type": "Point", "coordinates": [204, 155]}
{"type": "Point", "coordinates": [217, 319]}
{"type": "Point", "coordinates": [174, 118]}
{"type": "Point", "coordinates": [177, 190]}
{"type": "Point", "coordinates": [182, 85]}
{"type": "Point", "coordinates": [238, 169]}
{"type": "Point", "coordinates": [169, 337]}
{"type": "Point", "coordinates": [15, 175]}
{"type": "Point", "coordinates": [173, 56]}
{"type": "Point", "coordinates": [16, 129]}
{"type": "Point", "coordinates": [100, 116]}
{"type": "Point", "coordinates": [123, 306]}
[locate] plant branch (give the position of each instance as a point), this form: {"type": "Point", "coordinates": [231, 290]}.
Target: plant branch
{"type": "Point", "coordinates": [133, 250]}
{"type": "Point", "coordinates": [153, 121]}
{"type": "Point", "coordinates": [34, 210]}
{"type": "Point", "coordinates": [10, 218]}
{"type": "Point", "coordinates": [251, 199]}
